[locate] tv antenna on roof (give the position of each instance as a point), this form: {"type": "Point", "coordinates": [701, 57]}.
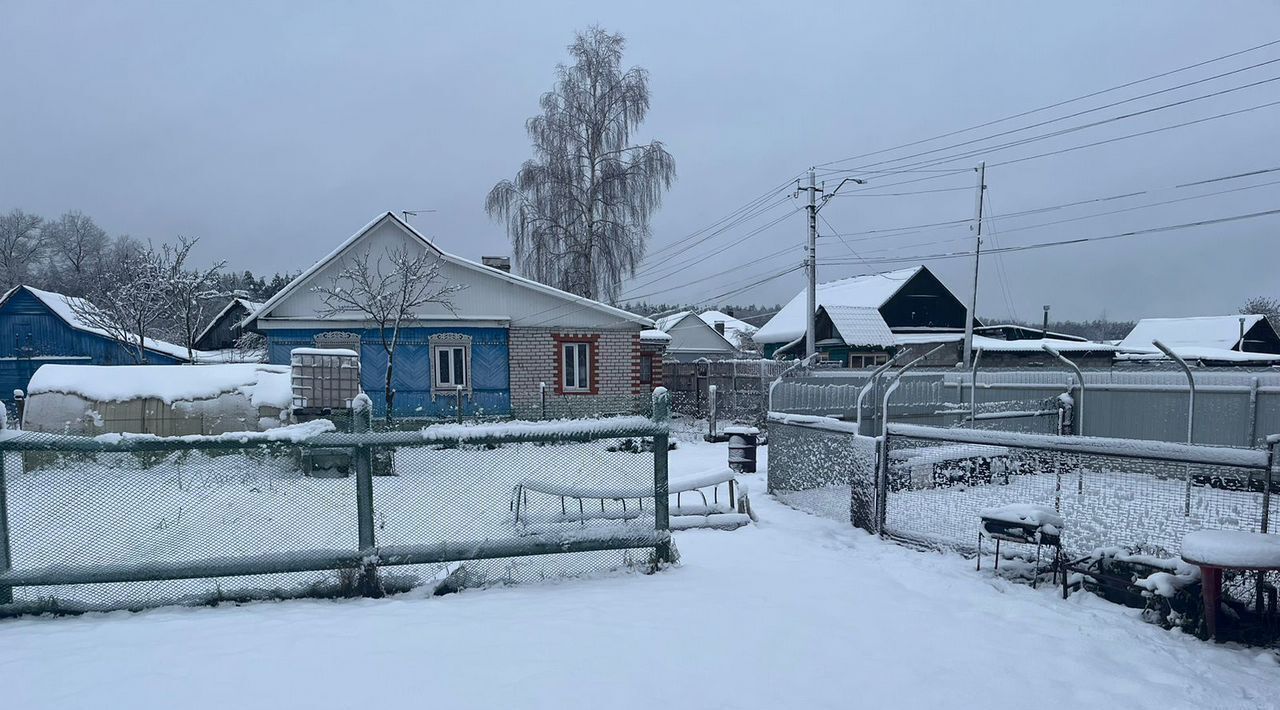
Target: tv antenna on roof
{"type": "Point", "coordinates": [406, 214]}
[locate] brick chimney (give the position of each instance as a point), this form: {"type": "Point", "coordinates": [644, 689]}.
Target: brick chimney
{"type": "Point", "coordinates": [720, 327]}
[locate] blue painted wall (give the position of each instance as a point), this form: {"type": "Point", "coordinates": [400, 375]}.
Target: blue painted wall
{"type": "Point", "coordinates": [31, 336]}
{"type": "Point", "coordinates": [490, 381]}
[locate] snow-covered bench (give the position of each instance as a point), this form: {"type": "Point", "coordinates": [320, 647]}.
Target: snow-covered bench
{"type": "Point", "coordinates": [1023, 523]}
{"type": "Point", "coordinates": [592, 502]}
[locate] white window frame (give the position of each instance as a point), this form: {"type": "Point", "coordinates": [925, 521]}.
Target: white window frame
{"type": "Point", "coordinates": [457, 356]}
{"type": "Point", "coordinates": [450, 342]}
{"type": "Point", "coordinates": [581, 351]}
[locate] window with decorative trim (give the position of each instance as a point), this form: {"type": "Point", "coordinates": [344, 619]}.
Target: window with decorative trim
{"type": "Point", "coordinates": [450, 362]}
{"type": "Point", "coordinates": [575, 370]}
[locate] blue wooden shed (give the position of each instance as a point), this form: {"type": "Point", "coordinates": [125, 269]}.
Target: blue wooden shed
{"type": "Point", "coordinates": [40, 327]}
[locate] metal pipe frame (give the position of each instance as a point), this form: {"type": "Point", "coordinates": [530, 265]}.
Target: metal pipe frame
{"type": "Point", "coordinates": [1191, 384]}
{"type": "Point", "coordinates": [875, 377]}
{"type": "Point", "coordinates": [1079, 406]}
{"type": "Point", "coordinates": [1191, 412]}
{"type": "Point", "coordinates": [896, 379]}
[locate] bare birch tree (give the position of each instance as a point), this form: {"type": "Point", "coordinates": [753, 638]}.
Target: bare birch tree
{"type": "Point", "coordinates": [578, 213]}
{"type": "Point", "coordinates": [21, 245]}
{"type": "Point", "coordinates": [389, 293]}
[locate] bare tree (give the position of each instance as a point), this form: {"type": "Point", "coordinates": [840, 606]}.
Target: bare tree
{"type": "Point", "coordinates": [389, 294]}
{"type": "Point", "coordinates": [190, 292]}
{"type": "Point", "coordinates": [578, 212]}
{"type": "Point", "coordinates": [21, 244]}
{"type": "Point", "coordinates": [76, 246]}
{"type": "Point", "coordinates": [128, 301]}
{"type": "Point", "coordinates": [1262, 305]}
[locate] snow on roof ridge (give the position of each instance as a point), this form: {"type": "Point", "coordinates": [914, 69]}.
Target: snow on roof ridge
{"type": "Point", "coordinates": [61, 306]}
{"type": "Point", "coordinates": [446, 256]}
{"type": "Point", "coordinates": [788, 323]}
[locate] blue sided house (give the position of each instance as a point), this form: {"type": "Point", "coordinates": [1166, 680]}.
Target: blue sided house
{"type": "Point", "coordinates": [40, 327]}
{"type": "Point", "coordinates": [506, 341]}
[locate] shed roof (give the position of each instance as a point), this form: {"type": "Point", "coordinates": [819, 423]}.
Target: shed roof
{"type": "Point", "coordinates": [65, 307]}
{"type": "Point", "coordinates": [868, 291]}
{"type": "Point", "coordinates": [860, 325]}
{"type": "Point", "coordinates": [1212, 332]}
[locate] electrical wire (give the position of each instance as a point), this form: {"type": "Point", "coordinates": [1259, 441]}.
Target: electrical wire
{"type": "Point", "coordinates": [1056, 104]}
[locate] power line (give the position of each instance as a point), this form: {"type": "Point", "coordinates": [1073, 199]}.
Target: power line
{"type": "Point", "coordinates": [884, 232]}
{"type": "Point", "coordinates": [691, 263]}
{"type": "Point", "coordinates": [986, 150]}
{"type": "Point", "coordinates": [1056, 104]}
{"type": "Point", "coordinates": [1078, 240]}
{"type": "Point", "coordinates": [1096, 109]}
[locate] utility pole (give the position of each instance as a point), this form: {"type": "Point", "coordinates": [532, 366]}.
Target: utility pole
{"type": "Point", "coordinates": [977, 253]}
{"type": "Point", "coordinates": [811, 259]}
{"type": "Point", "coordinates": [810, 337]}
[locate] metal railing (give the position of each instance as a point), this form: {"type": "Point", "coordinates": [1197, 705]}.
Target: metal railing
{"type": "Point", "coordinates": [136, 521]}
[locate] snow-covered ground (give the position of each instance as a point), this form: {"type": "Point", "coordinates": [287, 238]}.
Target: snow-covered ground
{"type": "Point", "coordinates": [796, 611]}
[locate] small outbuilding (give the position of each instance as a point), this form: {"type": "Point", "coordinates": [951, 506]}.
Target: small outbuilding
{"type": "Point", "coordinates": [1227, 340]}
{"type": "Point", "coordinates": [227, 327]}
{"type": "Point", "coordinates": [165, 401]}
{"type": "Point", "coordinates": [40, 327]}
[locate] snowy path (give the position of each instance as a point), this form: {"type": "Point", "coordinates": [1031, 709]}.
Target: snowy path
{"type": "Point", "coordinates": [796, 612]}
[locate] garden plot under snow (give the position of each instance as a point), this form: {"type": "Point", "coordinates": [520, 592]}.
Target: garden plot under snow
{"type": "Point", "coordinates": [796, 612]}
{"type": "Point", "coordinates": [173, 507]}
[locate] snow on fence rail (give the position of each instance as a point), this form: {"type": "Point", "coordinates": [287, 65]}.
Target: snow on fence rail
{"type": "Point", "coordinates": [136, 521]}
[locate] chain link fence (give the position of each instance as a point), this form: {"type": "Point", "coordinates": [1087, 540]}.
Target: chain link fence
{"type": "Point", "coordinates": [134, 521]}
{"type": "Point", "coordinates": [1141, 496]}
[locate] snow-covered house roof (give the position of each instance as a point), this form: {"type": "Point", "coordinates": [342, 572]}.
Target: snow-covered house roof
{"type": "Point", "coordinates": [1211, 332]}
{"type": "Point", "coordinates": [691, 336]}
{"type": "Point", "coordinates": [736, 331]}
{"type": "Point", "coordinates": [250, 307]}
{"type": "Point", "coordinates": [859, 326]}
{"type": "Point", "coordinates": [868, 291]}
{"type": "Point", "coordinates": [64, 307]}
{"type": "Point", "coordinates": [490, 295]}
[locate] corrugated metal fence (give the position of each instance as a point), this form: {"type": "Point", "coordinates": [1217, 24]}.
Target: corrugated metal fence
{"type": "Point", "coordinates": [1233, 408]}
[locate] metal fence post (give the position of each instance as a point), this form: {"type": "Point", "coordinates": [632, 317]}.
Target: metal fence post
{"type": "Point", "coordinates": [661, 495]}
{"type": "Point", "coordinates": [542, 398]}
{"type": "Point", "coordinates": [882, 482]}
{"type": "Point", "coordinates": [459, 392]}
{"type": "Point", "coordinates": [712, 405]}
{"type": "Point", "coordinates": [363, 454]}
{"type": "Point", "coordinates": [1191, 411]}
{"type": "Point", "coordinates": [1273, 471]}
{"type": "Point", "coordinates": [6, 562]}
{"type": "Point", "coordinates": [1251, 426]}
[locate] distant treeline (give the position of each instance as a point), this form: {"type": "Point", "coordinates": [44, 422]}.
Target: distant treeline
{"type": "Point", "coordinates": [70, 253]}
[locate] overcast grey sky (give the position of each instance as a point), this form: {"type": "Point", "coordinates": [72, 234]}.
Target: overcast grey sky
{"type": "Point", "coordinates": [274, 130]}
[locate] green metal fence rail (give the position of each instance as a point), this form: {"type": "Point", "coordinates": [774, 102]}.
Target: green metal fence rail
{"type": "Point", "coordinates": [122, 521]}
